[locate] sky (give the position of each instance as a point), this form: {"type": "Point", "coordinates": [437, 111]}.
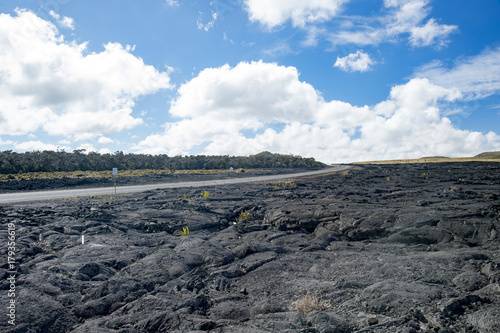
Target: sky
{"type": "Point", "coordinates": [336, 80]}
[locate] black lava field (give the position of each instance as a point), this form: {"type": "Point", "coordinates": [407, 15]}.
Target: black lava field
{"type": "Point", "coordinates": [377, 248]}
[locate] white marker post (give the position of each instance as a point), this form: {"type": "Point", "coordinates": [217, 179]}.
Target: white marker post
{"type": "Point", "coordinates": [115, 173]}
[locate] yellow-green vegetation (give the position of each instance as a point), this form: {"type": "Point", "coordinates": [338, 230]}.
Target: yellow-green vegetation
{"type": "Point", "coordinates": [493, 156]}
{"type": "Point", "coordinates": [243, 217]}
{"type": "Point", "coordinates": [102, 174]}
{"type": "Point", "coordinates": [284, 185]}
{"type": "Point", "coordinates": [204, 194]}
{"type": "Point", "coordinates": [184, 232]}
{"type": "Point", "coordinates": [309, 303]}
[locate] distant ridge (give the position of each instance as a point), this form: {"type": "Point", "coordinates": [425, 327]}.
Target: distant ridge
{"type": "Point", "coordinates": [493, 156]}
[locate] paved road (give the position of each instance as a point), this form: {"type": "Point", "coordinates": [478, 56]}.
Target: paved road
{"type": "Point", "coordinates": [62, 194]}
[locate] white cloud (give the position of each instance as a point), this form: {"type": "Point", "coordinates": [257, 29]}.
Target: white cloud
{"type": "Point", "coordinates": [5, 143]}
{"type": "Point", "coordinates": [104, 140]}
{"type": "Point", "coordinates": [209, 25]}
{"type": "Point", "coordinates": [259, 90]}
{"type": "Point", "coordinates": [279, 48]}
{"type": "Point", "coordinates": [58, 86]}
{"type": "Point", "coordinates": [105, 151]}
{"type": "Point", "coordinates": [173, 3]}
{"type": "Point", "coordinates": [404, 18]}
{"type": "Point", "coordinates": [476, 77]}
{"type": "Point", "coordinates": [431, 33]}
{"type": "Point", "coordinates": [313, 35]}
{"type": "Point", "coordinates": [355, 62]}
{"type": "Point", "coordinates": [86, 125]}
{"type": "Point", "coordinates": [224, 36]}
{"type": "Point", "coordinates": [64, 22]}
{"type": "Point", "coordinates": [235, 110]}
{"type": "Point", "coordinates": [272, 13]}
{"type": "Point", "coordinates": [397, 19]}
{"type": "Point", "coordinates": [221, 102]}
{"type": "Point", "coordinates": [88, 147]}
{"type": "Point", "coordinates": [36, 146]}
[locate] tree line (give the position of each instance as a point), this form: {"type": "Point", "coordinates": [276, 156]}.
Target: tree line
{"type": "Point", "coordinates": [51, 161]}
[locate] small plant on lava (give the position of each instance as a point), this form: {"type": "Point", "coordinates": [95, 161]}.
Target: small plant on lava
{"type": "Point", "coordinates": [308, 303]}
{"type": "Point", "coordinates": [243, 217]}
{"type": "Point", "coordinates": [184, 231]}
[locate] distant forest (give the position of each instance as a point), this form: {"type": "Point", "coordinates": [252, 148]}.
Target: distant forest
{"type": "Point", "coordinates": [51, 161]}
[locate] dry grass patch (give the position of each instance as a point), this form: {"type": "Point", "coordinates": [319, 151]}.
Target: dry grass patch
{"type": "Point", "coordinates": [108, 174]}
{"type": "Point", "coordinates": [308, 303]}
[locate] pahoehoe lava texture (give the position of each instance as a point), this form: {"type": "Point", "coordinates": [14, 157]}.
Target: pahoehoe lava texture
{"type": "Point", "coordinates": [396, 248]}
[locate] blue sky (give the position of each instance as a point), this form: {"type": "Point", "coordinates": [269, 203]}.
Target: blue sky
{"type": "Point", "coordinates": [337, 80]}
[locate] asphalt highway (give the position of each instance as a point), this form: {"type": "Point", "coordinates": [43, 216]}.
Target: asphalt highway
{"type": "Point", "coordinates": [63, 194]}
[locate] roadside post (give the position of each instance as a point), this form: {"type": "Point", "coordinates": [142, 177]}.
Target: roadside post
{"type": "Point", "coordinates": [115, 173]}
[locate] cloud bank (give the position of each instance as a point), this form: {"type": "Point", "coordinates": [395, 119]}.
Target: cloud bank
{"type": "Point", "coordinates": [59, 87]}
{"type": "Point", "coordinates": [258, 106]}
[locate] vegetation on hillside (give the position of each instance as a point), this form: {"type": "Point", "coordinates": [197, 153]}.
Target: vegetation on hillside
{"type": "Point", "coordinates": [493, 156]}
{"type": "Point", "coordinates": [51, 161]}
{"type": "Point", "coordinates": [490, 155]}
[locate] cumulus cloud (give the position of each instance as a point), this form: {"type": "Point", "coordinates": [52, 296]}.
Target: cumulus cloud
{"type": "Point", "coordinates": [47, 83]}
{"type": "Point", "coordinates": [355, 62]}
{"type": "Point", "coordinates": [260, 106]}
{"type": "Point", "coordinates": [477, 76]}
{"type": "Point", "coordinates": [255, 90]}
{"type": "Point", "coordinates": [272, 13]}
